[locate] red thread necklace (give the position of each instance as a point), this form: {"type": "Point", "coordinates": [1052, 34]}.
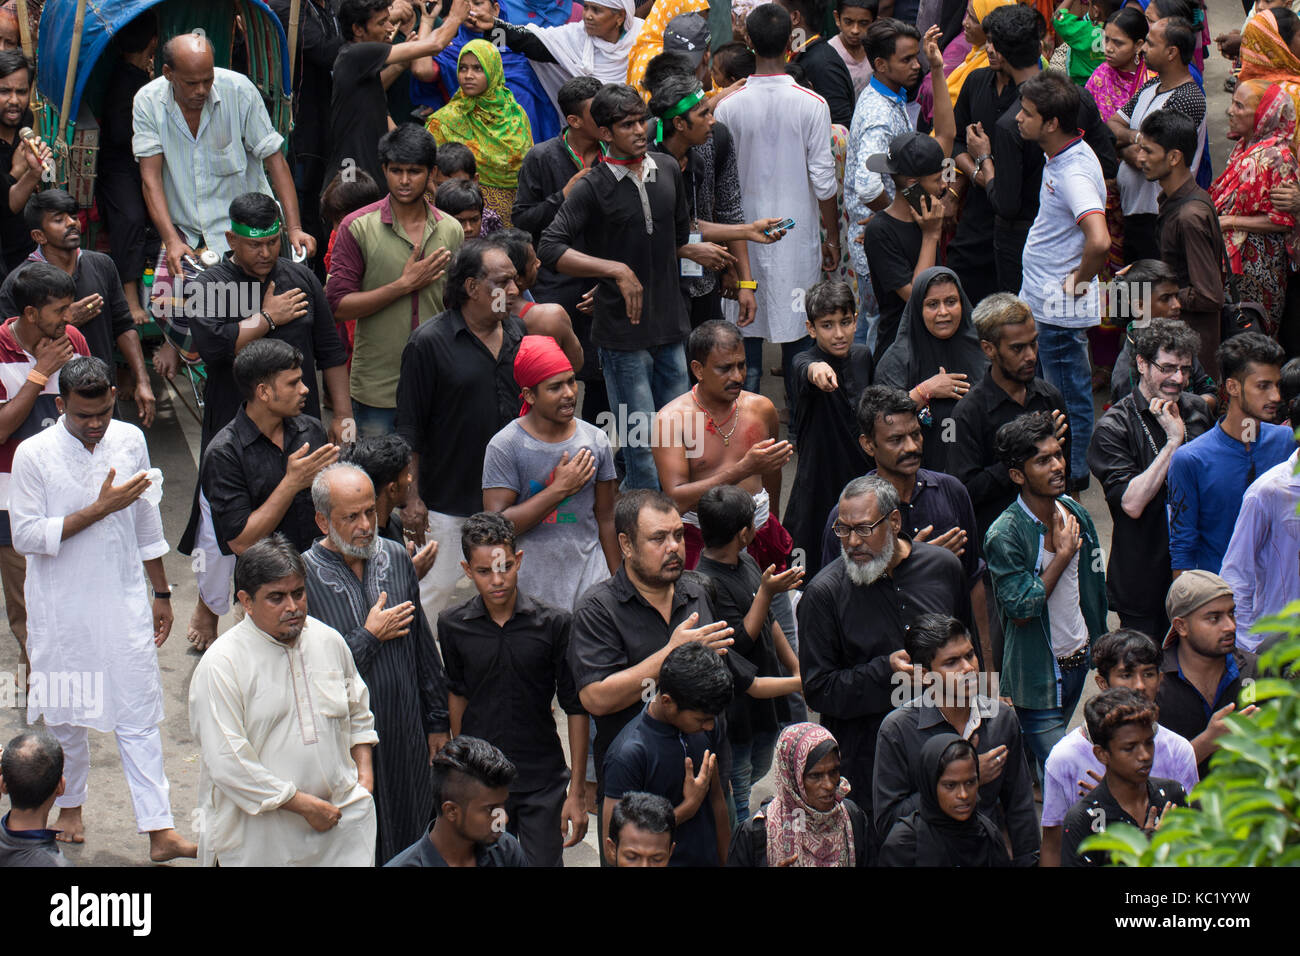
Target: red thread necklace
{"type": "Point", "coordinates": [713, 426]}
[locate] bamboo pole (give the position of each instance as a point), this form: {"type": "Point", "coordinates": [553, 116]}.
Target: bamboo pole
{"type": "Point", "coordinates": [25, 30]}
{"type": "Point", "coordinates": [73, 56]}
{"type": "Point", "coordinates": [295, 10]}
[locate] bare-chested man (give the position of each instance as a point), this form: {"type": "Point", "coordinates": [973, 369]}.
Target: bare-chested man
{"type": "Point", "coordinates": [720, 434]}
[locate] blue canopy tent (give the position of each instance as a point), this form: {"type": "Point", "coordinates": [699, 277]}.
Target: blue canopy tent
{"type": "Point", "coordinates": [61, 45]}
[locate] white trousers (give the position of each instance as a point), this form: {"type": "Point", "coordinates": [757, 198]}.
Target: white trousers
{"type": "Point", "coordinates": [438, 588]}
{"type": "Point", "coordinates": [142, 762]}
{"type": "Point", "coordinates": [213, 570]}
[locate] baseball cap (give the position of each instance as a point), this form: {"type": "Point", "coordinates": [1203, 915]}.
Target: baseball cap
{"type": "Point", "coordinates": [1190, 590]}
{"type": "Point", "coordinates": [687, 33]}
{"type": "Point", "coordinates": [910, 154]}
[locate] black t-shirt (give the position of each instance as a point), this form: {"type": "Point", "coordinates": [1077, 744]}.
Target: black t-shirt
{"type": "Point", "coordinates": [358, 108]}
{"type": "Point", "coordinates": [734, 588]}
{"type": "Point", "coordinates": [15, 237]}
{"type": "Point", "coordinates": [893, 247]}
{"type": "Point", "coordinates": [648, 756]}
{"type": "Point", "coordinates": [1098, 810]}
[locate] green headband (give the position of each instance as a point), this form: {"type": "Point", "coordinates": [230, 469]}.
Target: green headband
{"type": "Point", "coordinates": [252, 232]}
{"type": "Point", "coordinates": [684, 105]}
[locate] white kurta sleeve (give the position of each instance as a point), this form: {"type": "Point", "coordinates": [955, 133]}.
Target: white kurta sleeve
{"type": "Point", "coordinates": [34, 530]}
{"type": "Point", "coordinates": [361, 720]}
{"type": "Point", "coordinates": [231, 759]}
{"type": "Point", "coordinates": [821, 161]}
{"type": "Point", "coordinates": [147, 518]}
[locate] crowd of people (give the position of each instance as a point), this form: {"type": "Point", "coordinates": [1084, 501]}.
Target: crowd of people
{"type": "Point", "coordinates": [478, 338]}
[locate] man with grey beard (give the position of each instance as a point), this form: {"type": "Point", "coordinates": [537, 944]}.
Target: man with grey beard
{"type": "Point", "coordinates": [364, 586]}
{"type": "Point", "coordinates": [855, 614]}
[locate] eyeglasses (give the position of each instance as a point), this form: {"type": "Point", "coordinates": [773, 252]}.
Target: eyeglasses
{"type": "Point", "coordinates": [843, 531]}
{"type": "Point", "coordinates": [1171, 369]}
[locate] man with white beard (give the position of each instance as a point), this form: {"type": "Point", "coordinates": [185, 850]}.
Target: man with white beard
{"type": "Point", "coordinates": [364, 586]}
{"type": "Point", "coordinates": [855, 614]}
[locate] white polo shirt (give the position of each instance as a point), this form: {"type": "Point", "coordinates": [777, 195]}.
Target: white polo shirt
{"type": "Point", "coordinates": [1073, 187]}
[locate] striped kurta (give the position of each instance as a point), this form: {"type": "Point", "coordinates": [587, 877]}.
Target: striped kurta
{"type": "Point", "coordinates": [408, 688]}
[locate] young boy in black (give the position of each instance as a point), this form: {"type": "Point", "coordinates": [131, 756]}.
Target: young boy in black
{"type": "Point", "coordinates": [1122, 728]}
{"type": "Point", "coordinates": [743, 598]}
{"type": "Point", "coordinates": [829, 379]}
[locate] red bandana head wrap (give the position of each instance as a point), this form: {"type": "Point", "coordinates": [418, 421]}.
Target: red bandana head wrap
{"type": "Point", "coordinates": [539, 357]}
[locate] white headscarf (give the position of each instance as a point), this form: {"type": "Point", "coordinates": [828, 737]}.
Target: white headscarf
{"type": "Point", "coordinates": [579, 54]}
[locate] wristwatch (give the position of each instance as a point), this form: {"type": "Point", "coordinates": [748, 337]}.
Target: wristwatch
{"type": "Point", "coordinates": [269, 321]}
{"type": "Point", "coordinates": [981, 160]}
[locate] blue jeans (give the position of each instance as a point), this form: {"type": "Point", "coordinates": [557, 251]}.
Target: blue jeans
{"type": "Point", "coordinates": [750, 762]}
{"type": "Point", "coordinates": [1063, 360]}
{"type": "Point", "coordinates": [373, 422]}
{"type": "Point", "coordinates": [868, 321]}
{"type": "Point", "coordinates": [1044, 728]}
{"type": "Point", "coordinates": [783, 611]}
{"type": "Point", "coordinates": [639, 384]}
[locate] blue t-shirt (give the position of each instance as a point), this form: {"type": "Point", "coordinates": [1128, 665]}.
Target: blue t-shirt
{"type": "Point", "coordinates": [1207, 479]}
{"type": "Point", "coordinates": [650, 756]}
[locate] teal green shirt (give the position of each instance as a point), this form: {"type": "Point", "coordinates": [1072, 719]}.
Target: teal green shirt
{"type": "Point", "coordinates": [1029, 668]}
{"type": "Point", "coordinates": [1086, 41]}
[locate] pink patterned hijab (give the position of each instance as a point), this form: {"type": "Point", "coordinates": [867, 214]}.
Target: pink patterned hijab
{"type": "Point", "coordinates": [794, 828]}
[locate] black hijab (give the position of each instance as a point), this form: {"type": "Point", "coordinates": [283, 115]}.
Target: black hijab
{"type": "Point", "coordinates": [940, 839]}
{"type": "Point", "coordinates": [916, 355]}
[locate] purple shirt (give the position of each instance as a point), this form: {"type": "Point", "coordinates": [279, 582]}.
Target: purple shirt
{"type": "Point", "coordinates": [1262, 563]}
{"type": "Point", "coordinates": [1072, 758]}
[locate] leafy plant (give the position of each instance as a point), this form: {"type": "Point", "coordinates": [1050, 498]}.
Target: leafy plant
{"type": "Point", "coordinates": [1249, 803]}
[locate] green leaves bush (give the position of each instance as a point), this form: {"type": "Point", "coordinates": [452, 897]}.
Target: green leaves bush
{"type": "Point", "coordinates": [1249, 803]}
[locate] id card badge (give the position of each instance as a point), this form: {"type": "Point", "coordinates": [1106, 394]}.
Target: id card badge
{"type": "Point", "coordinates": [690, 268]}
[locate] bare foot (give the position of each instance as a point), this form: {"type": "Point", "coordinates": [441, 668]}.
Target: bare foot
{"type": "Point", "coordinates": [203, 627]}
{"type": "Point", "coordinates": [70, 825]}
{"type": "Point", "coordinates": [167, 845]}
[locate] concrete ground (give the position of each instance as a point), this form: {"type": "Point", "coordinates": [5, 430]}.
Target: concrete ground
{"type": "Point", "coordinates": [111, 838]}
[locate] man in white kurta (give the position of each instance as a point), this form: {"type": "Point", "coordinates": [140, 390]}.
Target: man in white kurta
{"type": "Point", "coordinates": [89, 535]}
{"type": "Point", "coordinates": [279, 722]}
{"type": "Point", "coordinates": [783, 155]}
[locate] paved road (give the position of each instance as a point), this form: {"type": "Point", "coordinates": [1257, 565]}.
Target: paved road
{"type": "Point", "coordinates": [111, 839]}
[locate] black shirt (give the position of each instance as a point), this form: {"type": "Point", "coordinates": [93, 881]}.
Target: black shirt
{"type": "Point", "coordinates": [94, 273]}
{"type": "Point", "coordinates": [734, 589]}
{"type": "Point", "coordinates": [216, 330]}
{"type": "Point", "coordinates": [15, 238]}
{"type": "Point", "coordinates": [1124, 444]}
{"type": "Point", "coordinates": [509, 675]}
{"type": "Point", "coordinates": [829, 77]}
{"type": "Point", "coordinates": [1007, 801]}
{"type": "Point", "coordinates": [1018, 165]}
{"type": "Point", "coordinates": [607, 216]}
{"type": "Point", "coordinates": [453, 395]}
{"type": "Point", "coordinates": [846, 635]}
{"type": "Point", "coordinates": [1182, 708]}
{"type": "Point", "coordinates": [749, 842]}
{"type": "Point", "coordinates": [319, 41]}
{"type": "Point", "coordinates": [973, 459]}
{"type": "Point", "coordinates": [893, 248]}
{"type": "Point", "coordinates": [545, 171]}
{"type": "Point", "coordinates": [358, 109]}
{"type": "Point", "coordinates": [1099, 809]}
{"type": "Point", "coordinates": [506, 851]}
{"type": "Point", "coordinates": [241, 467]}
{"type": "Point", "coordinates": [615, 628]}
{"type": "Point", "coordinates": [826, 432]}
{"type": "Point", "coordinates": [649, 756]}
{"type": "Point", "coordinates": [970, 251]}
{"type": "Point", "coordinates": [939, 501]}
